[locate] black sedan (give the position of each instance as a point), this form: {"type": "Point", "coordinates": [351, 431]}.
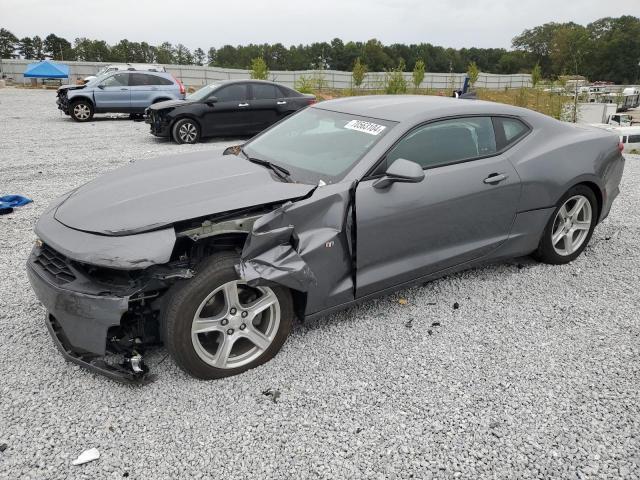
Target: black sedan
{"type": "Point", "coordinates": [233, 107]}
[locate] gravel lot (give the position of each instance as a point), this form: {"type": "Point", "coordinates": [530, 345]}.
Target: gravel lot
{"type": "Point", "coordinates": [536, 375]}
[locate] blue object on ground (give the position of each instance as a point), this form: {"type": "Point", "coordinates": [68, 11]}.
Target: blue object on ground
{"type": "Point", "coordinates": [10, 201]}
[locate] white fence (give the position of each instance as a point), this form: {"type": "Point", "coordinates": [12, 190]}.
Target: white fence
{"type": "Point", "coordinates": [195, 76]}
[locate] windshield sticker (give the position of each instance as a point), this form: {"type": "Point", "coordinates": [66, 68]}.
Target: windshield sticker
{"type": "Point", "coordinates": [365, 127]}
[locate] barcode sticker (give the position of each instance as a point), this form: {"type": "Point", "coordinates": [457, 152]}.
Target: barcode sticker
{"type": "Point", "coordinates": [365, 127]}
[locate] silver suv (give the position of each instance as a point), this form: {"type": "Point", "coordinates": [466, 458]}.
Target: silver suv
{"type": "Point", "coordinates": [119, 92]}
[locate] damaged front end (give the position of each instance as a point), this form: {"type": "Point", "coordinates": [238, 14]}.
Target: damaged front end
{"type": "Point", "coordinates": [62, 96]}
{"type": "Point", "coordinates": [306, 246]}
{"type": "Point", "coordinates": [101, 318]}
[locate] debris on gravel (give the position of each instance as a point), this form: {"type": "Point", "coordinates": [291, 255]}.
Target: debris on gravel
{"type": "Point", "coordinates": [538, 376]}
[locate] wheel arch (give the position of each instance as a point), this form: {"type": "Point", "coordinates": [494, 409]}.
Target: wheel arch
{"type": "Point", "coordinates": [597, 191]}
{"type": "Point", "coordinates": [79, 98]}
{"type": "Point", "coordinates": [232, 242]}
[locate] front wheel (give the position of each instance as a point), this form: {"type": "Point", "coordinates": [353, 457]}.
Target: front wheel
{"type": "Point", "coordinates": [570, 227]}
{"type": "Point", "coordinates": [215, 325]}
{"type": "Point", "coordinates": [81, 111]}
{"type": "Point", "coordinates": [186, 131]}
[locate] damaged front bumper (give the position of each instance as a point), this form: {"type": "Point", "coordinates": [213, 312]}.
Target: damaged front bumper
{"type": "Point", "coordinates": [158, 123]}
{"type": "Point", "coordinates": [90, 323]}
{"type": "Point", "coordinates": [62, 101]}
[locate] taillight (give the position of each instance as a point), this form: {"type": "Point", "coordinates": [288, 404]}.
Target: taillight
{"type": "Point", "coordinates": [182, 91]}
{"type": "Point", "coordinates": [311, 101]}
{"type": "Point", "coordinates": [621, 146]}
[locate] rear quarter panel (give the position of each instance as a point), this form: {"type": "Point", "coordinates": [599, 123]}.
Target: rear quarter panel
{"type": "Point", "coordinates": [556, 156]}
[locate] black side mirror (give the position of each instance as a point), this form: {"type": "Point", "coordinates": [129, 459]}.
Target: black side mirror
{"type": "Point", "coordinates": [101, 87]}
{"type": "Point", "coordinates": [211, 100]}
{"type": "Point", "coordinates": [403, 171]}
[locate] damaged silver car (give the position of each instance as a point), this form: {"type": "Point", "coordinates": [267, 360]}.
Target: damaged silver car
{"type": "Point", "coordinates": [214, 256]}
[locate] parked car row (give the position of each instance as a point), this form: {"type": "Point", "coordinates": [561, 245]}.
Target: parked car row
{"type": "Point", "coordinates": [233, 107]}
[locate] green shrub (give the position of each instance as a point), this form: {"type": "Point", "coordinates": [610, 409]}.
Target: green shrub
{"type": "Point", "coordinates": [359, 72]}
{"type": "Point", "coordinates": [418, 73]}
{"type": "Point", "coordinates": [259, 69]}
{"type": "Point", "coordinates": [304, 84]}
{"type": "Point", "coordinates": [473, 72]}
{"type": "Point", "coordinates": [395, 83]}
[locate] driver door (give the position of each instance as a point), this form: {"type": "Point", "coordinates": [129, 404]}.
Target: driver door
{"type": "Point", "coordinates": [454, 215]}
{"type": "Point", "coordinates": [230, 115]}
{"type": "Point", "coordinates": [113, 93]}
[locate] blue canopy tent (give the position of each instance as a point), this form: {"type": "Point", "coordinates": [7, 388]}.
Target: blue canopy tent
{"type": "Point", "coordinates": [46, 69]}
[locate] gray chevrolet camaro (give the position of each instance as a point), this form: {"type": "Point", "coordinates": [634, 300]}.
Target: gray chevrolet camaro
{"type": "Point", "coordinates": [214, 255]}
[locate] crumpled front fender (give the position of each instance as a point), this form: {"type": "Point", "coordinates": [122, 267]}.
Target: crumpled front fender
{"type": "Point", "coordinates": [305, 246]}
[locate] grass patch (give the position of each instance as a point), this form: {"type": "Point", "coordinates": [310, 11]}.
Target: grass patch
{"type": "Point", "coordinates": [549, 103]}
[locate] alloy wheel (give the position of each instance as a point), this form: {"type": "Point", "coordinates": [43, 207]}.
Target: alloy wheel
{"type": "Point", "coordinates": [571, 225]}
{"type": "Point", "coordinates": [81, 111]}
{"type": "Point", "coordinates": [188, 132]}
{"type": "Point", "coordinates": [235, 324]}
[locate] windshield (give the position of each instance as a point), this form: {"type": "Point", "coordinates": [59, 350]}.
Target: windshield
{"type": "Point", "coordinates": [203, 93]}
{"type": "Point", "coordinates": [318, 144]}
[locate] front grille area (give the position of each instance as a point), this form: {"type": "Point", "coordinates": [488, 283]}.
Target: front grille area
{"type": "Point", "coordinates": [55, 264]}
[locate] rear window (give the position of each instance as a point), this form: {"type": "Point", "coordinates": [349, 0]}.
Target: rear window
{"type": "Point", "coordinates": [264, 91]}
{"type": "Point", "coordinates": [287, 92]}
{"type": "Point", "coordinates": [509, 131]}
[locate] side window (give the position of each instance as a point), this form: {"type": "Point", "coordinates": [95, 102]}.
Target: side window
{"type": "Point", "coordinates": [263, 91]}
{"type": "Point", "coordinates": [232, 93]}
{"type": "Point", "coordinates": [140, 79]}
{"type": "Point", "coordinates": [287, 92]}
{"type": "Point", "coordinates": [623, 139]}
{"type": "Point", "coordinates": [634, 139]}
{"type": "Point", "coordinates": [447, 141]}
{"type": "Point", "coordinates": [162, 80]}
{"type": "Point", "coordinates": [117, 80]}
{"type": "Point", "coordinates": [509, 130]}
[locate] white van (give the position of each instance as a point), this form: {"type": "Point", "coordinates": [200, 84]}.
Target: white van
{"type": "Point", "coordinates": [630, 138]}
{"type": "Point", "coordinates": [125, 66]}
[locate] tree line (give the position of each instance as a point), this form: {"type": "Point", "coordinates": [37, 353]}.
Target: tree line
{"type": "Point", "coordinates": [607, 49]}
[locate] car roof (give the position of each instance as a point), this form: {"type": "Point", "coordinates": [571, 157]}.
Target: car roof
{"type": "Point", "coordinates": [244, 80]}
{"type": "Point", "coordinates": [415, 108]}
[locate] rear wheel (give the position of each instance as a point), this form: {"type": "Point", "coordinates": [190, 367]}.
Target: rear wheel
{"type": "Point", "coordinates": [186, 131]}
{"type": "Point", "coordinates": [570, 227]}
{"type": "Point", "coordinates": [81, 111]}
{"type": "Point", "coordinates": [215, 325]}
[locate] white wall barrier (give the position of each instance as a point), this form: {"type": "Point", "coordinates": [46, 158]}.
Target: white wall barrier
{"type": "Point", "coordinates": [196, 76]}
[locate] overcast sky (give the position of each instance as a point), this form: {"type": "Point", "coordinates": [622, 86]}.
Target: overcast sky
{"type": "Point", "coordinates": [199, 23]}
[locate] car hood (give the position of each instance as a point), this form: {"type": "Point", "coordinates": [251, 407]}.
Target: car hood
{"type": "Point", "coordinates": [65, 88]}
{"type": "Point", "coordinates": [151, 194]}
{"type": "Point", "coordinates": [169, 104]}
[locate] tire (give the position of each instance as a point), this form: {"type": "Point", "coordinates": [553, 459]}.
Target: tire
{"type": "Point", "coordinates": [203, 355]}
{"type": "Point", "coordinates": [81, 110]}
{"type": "Point", "coordinates": [567, 233]}
{"type": "Point", "coordinates": [186, 131]}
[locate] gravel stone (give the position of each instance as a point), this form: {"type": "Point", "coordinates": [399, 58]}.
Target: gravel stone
{"type": "Point", "coordinates": [538, 376]}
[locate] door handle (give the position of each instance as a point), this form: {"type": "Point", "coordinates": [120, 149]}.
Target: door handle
{"type": "Point", "coordinates": [281, 103]}
{"type": "Point", "coordinates": [243, 104]}
{"type": "Point", "coordinates": [495, 178]}
{"type": "Point", "coordinates": [124, 89]}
